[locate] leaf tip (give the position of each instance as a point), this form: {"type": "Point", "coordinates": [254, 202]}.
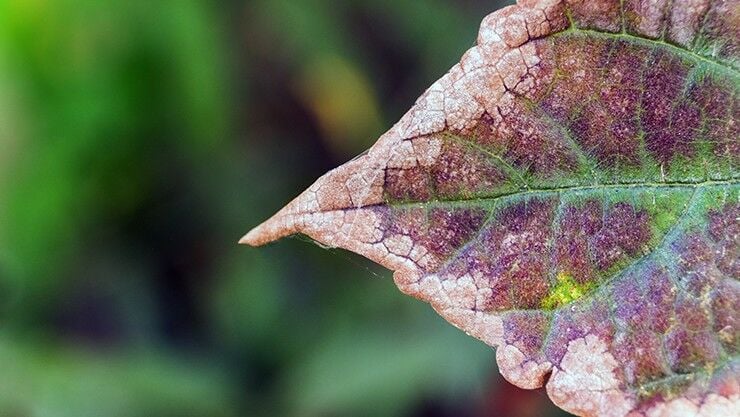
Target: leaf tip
{"type": "Point", "coordinates": [271, 230]}
{"type": "Point", "coordinates": [274, 228]}
{"type": "Point", "coordinates": [249, 239]}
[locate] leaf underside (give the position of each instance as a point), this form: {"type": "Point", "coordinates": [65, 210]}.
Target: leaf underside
{"type": "Point", "coordinates": [569, 194]}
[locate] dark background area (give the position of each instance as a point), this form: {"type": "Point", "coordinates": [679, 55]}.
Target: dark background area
{"type": "Point", "coordinates": [140, 139]}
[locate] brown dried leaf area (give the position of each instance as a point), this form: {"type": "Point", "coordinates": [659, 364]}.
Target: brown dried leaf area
{"type": "Point", "coordinates": [568, 194]}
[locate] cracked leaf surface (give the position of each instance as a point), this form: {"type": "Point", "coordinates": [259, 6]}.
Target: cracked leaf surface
{"type": "Point", "coordinates": [568, 193]}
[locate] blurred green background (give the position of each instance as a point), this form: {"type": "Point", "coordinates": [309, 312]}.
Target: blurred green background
{"type": "Point", "coordinates": [139, 139]}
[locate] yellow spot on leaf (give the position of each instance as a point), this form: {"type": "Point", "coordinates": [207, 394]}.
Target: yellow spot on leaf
{"type": "Point", "coordinates": [565, 291]}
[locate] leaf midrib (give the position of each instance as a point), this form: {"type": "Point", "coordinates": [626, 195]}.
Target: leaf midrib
{"type": "Point", "coordinates": [534, 192]}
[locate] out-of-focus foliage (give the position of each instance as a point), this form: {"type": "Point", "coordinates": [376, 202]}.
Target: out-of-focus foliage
{"type": "Point", "coordinates": [139, 138]}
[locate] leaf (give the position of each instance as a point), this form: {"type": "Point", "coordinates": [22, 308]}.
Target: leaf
{"type": "Point", "coordinates": [569, 194]}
